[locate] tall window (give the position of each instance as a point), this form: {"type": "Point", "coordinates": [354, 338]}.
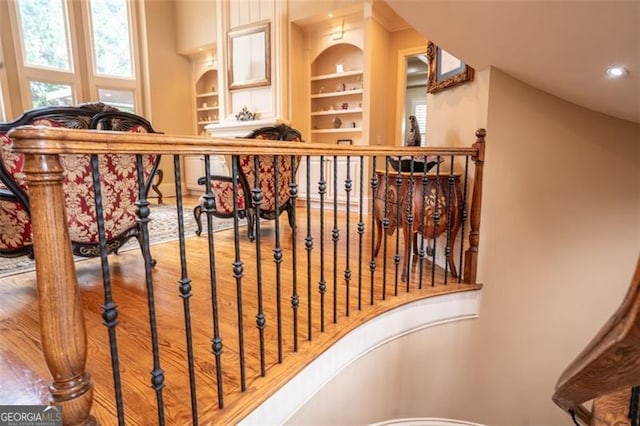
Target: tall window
{"type": "Point", "coordinates": [112, 53]}
{"type": "Point", "coordinates": [54, 68]}
{"type": "Point", "coordinates": [45, 50]}
{"type": "Point", "coordinates": [416, 105]}
{"type": "Point", "coordinates": [44, 27]}
{"type": "Point", "coordinates": [420, 111]}
{"type": "Point", "coordinates": [44, 93]}
{"type": "Point", "coordinates": [111, 38]}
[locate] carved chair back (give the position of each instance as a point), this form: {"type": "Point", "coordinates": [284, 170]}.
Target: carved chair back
{"type": "Point", "coordinates": [118, 178]}
{"type": "Point", "coordinates": [222, 186]}
{"type": "Point", "coordinates": [266, 170]}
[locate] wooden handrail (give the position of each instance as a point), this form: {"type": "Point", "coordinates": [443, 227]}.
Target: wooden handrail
{"type": "Point", "coordinates": [48, 140]}
{"type": "Point", "coordinates": [610, 362]}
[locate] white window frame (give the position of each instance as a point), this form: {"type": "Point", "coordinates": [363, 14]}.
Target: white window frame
{"type": "Point", "coordinates": [101, 81]}
{"type": "Point", "coordinates": [423, 126]}
{"type": "Point", "coordinates": [82, 78]}
{"type": "Point", "coordinates": [27, 73]}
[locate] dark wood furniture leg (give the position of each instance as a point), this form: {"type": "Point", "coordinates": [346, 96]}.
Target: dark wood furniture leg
{"type": "Point", "coordinates": [197, 212]}
{"type": "Point", "coordinates": [159, 176]}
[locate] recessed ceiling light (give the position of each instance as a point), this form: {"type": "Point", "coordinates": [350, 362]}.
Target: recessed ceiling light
{"type": "Point", "coordinates": [616, 72]}
{"type": "Point", "coordinates": [330, 15]}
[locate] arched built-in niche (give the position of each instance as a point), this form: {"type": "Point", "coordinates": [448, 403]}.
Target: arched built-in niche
{"type": "Point", "coordinates": [206, 99]}
{"type": "Point", "coordinates": [336, 94]}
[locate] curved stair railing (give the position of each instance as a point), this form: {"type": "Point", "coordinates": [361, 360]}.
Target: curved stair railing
{"type": "Point", "coordinates": [309, 283]}
{"type": "Point", "coordinates": [607, 371]}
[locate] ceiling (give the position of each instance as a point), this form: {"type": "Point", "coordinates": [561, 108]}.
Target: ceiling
{"type": "Point", "coordinates": [560, 47]}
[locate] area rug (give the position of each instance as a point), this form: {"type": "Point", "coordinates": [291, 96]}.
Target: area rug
{"type": "Point", "coordinates": [162, 228]}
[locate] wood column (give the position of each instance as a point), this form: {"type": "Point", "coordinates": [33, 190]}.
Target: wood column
{"type": "Point", "coordinates": [471, 255]}
{"type": "Point", "coordinates": [62, 326]}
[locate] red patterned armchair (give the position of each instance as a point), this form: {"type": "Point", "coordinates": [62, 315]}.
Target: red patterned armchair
{"type": "Point", "coordinates": [117, 174]}
{"type": "Point", "coordinates": [222, 186]}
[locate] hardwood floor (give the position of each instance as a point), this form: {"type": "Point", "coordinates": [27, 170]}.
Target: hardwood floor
{"type": "Point", "coordinates": [24, 376]}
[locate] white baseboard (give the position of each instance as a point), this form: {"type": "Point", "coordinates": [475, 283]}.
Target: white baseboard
{"type": "Point", "coordinates": [370, 335]}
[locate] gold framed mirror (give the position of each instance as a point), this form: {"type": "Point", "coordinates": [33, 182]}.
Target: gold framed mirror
{"type": "Point", "coordinates": [249, 49]}
{"type": "Point", "coordinates": [445, 70]}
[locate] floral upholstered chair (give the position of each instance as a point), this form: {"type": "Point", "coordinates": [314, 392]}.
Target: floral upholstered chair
{"type": "Point", "coordinates": [222, 186]}
{"type": "Point", "coordinates": [118, 178]}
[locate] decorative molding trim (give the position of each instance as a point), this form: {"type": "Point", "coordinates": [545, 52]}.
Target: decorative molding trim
{"type": "Point", "coordinates": [240, 129]}
{"type": "Point", "coordinates": [401, 321]}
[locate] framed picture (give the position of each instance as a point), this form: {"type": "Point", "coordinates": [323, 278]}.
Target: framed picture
{"type": "Point", "coordinates": [445, 70]}
{"type": "Point", "coordinates": [250, 56]}
{"type": "Point", "coordinates": [345, 142]}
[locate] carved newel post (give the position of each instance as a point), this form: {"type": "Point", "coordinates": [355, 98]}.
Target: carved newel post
{"type": "Point", "coordinates": [471, 255]}
{"type": "Point", "coordinates": [62, 327]}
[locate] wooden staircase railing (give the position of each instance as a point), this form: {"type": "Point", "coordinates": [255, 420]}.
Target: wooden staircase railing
{"type": "Point", "coordinates": [62, 321]}
{"type": "Point", "coordinates": [608, 367]}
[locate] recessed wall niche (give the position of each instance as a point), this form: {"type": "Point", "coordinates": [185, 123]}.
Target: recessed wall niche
{"type": "Point", "coordinates": [337, 86]}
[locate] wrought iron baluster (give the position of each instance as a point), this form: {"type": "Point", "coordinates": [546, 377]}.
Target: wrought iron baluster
{"type": "Point", "coordinates": [463, 218]}
{"type": "Point", "coordinates": [447, 250]}
{"type": "Point", "coordinates": [184, 290]}
{"type": "Point", "coordinates": [423, 235]}
{"type": "Point", "coordinates": [436, 222]}
{"type": "Point", "coordinates": [360, 232]}
{"type": "Point", "coordinates": [348, 184]}
{"type": "Point", "coordinates": [157, 374]}
{"type": "Point", "coordinates": [277, 254]}
{"type": "Point", "coordinates": [109, 308]}
{"type": "Point", "coordinates": [322, 285]}
{"type": "Point", "coordinates": [372, 263]}
{"type": "Point", "coordinates": [295, 299]}
{"type": "Point", "coordinates": [335, 237]}
{"type": "Point", "coordinates": [238, 268]}
{"type": "Point", "coordinates": [385, 226]}
{"type": "Point", "coordinates": [396, 256]}
{"type": "Point", "coordinates": [634, 406]}
{"type": "Point", "coordinates": [261, 320]}
{"type": "Point", "coordinates": [410, 223]}
{"type": "Point", "coordinates": [308, 246]}
{"type": "Point", "coordinates": [216, 341]}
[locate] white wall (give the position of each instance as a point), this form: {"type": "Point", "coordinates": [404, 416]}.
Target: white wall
{"type": "Point", "coordinates": [196, 24]}
{"type": "Point", "coordinates": [560, 237]}
{"type": "Point", "coordinates": [265, 100]}
{"type": "Point", "coordinates": [169, 89]}
{"type": "Point", "coordinates": [559, 241]}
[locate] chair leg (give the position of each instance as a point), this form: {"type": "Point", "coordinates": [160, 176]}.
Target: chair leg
{"type": "Point", "coordinates": [290, 216]}
{"type": "Point", "coordinates": [139, 238]}
{"type": "Point", "coordinates": [197, 212]}
{"type": "Point", "coordinates": [251, 225]}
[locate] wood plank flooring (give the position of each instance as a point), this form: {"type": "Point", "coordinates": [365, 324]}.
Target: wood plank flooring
{"type": "Point", "coordinates": [24, 376]}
